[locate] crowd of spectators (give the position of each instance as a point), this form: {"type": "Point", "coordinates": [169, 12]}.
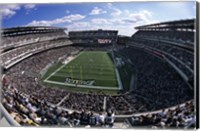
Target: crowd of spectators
{"type": "Point", "coordinates": [182, 116]}
{"type": "Point", "coordinates": [16, 41]}
{"type": "Point", "coordinates": [90, 101]}
{"type": "Point", "coordinates": [187, 57]}
{"type": "Point", "coordinates": [159, 87]}
{"type": "Point", "coordinates": [184, 37]}
{"type": "Point", "coordinates": [180, 57]}
{"type": "Point", "coordinates": [28, 110]}
{"type": "Point", "coordinates": [51, 95]}
{"type": "Point", "coordinates": [187, 71]}
{"type": "Point", "coordinates": [120, 105]}
{"type": "Point", "coordinates": [95, 102]}
{"type": "Point", "coordinates": [26, 74]}
{"type": "Point", "coordinates": [15, 54]}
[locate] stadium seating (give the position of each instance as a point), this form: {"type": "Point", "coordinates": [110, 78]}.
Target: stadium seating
{"type": "Point", "coordinates": [18, 53]}
{"type": "Point", "coordinates": [156, 85]}
{"type": "Point", "coordinates": [177, 36]}
{"type": "Point", "coordinates": [16, 41]}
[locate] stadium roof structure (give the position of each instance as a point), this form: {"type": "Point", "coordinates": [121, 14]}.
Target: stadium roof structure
{"type": "Point", "coordinates": [124, 36]}
{"type": "Point", "coordinates": [93, 31]}
{"type": "Point", "coordinates": [29, 30]}
{"type": "Point", "coordinates": [177, 24]}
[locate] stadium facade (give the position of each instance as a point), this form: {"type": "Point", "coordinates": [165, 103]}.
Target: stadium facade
{"type": "Point", "coordinates": [17, 31]}
{"type": "Point", "coordinates": [94, 37]}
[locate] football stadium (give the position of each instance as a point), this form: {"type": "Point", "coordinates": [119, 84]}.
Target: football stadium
{"type": "Point", "coordinates": [98, 78]}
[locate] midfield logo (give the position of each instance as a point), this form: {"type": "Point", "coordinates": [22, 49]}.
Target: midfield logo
{"type": "Point", "coordinates": [80, 82]}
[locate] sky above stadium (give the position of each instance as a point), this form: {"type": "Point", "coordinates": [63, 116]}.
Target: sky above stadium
{"type": "Point", "coordinates": [90, 16]}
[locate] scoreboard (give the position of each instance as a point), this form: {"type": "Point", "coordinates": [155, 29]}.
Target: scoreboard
{"type": "Point", "coordinates": [104, 41]}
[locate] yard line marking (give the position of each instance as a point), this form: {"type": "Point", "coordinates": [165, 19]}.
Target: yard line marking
{"type": "Point", "coordinates": [55, 72]}
{"type": "Point", "coordinates": [120, 86]}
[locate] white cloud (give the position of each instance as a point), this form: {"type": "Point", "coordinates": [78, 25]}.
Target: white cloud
{"type": "Point", "coordinates": [97, 11]}
{"type": "Point", "coordinates": [9, 10]}
{"type": "Point", "coordinates": [113, 22]}
{"type": "Point", "coordinates": [147, 13]}
{"type": "Point", "coordinates": [124, 23]}
{"type": "Point", "coordinates": [116, 11]}
{"type": "Point", "coordinates": [124, 29]}
{"type": "Point", "coordinates": [65, 19]}
{"type": "Point", "coordinates": [142, 15]}
{"type": "Point", "coordinates": [29, 6]}
{"type": "Point", "coordinates": [126, 11]}
{"type": "Point", "coordinates": [128, 18]}
{"type": "Point", "coordinates": [79, 26]}
{"type": "Point", "coordinates": [100, 21]}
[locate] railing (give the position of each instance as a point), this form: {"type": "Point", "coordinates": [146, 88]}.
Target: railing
{"type": "Point", "coordinates": [7, 116]}
{"type": "Point", "coordinates": [150, 112]}
{"type": "Point", "coordinates": [176, 43]}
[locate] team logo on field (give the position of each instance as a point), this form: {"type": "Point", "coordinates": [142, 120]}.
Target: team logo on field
{"type": "Point", "coordinates": [80, 82]}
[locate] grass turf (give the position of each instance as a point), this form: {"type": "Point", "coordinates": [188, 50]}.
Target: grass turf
{"type": "Point", "coordinates": [88, 65]}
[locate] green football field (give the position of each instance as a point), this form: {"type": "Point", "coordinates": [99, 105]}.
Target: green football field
{"type": "Point", "coordinates": [89, 70]}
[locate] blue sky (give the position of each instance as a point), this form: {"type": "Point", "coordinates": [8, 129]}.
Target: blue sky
{"type": "Point", "coordinates": [87, 16]}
